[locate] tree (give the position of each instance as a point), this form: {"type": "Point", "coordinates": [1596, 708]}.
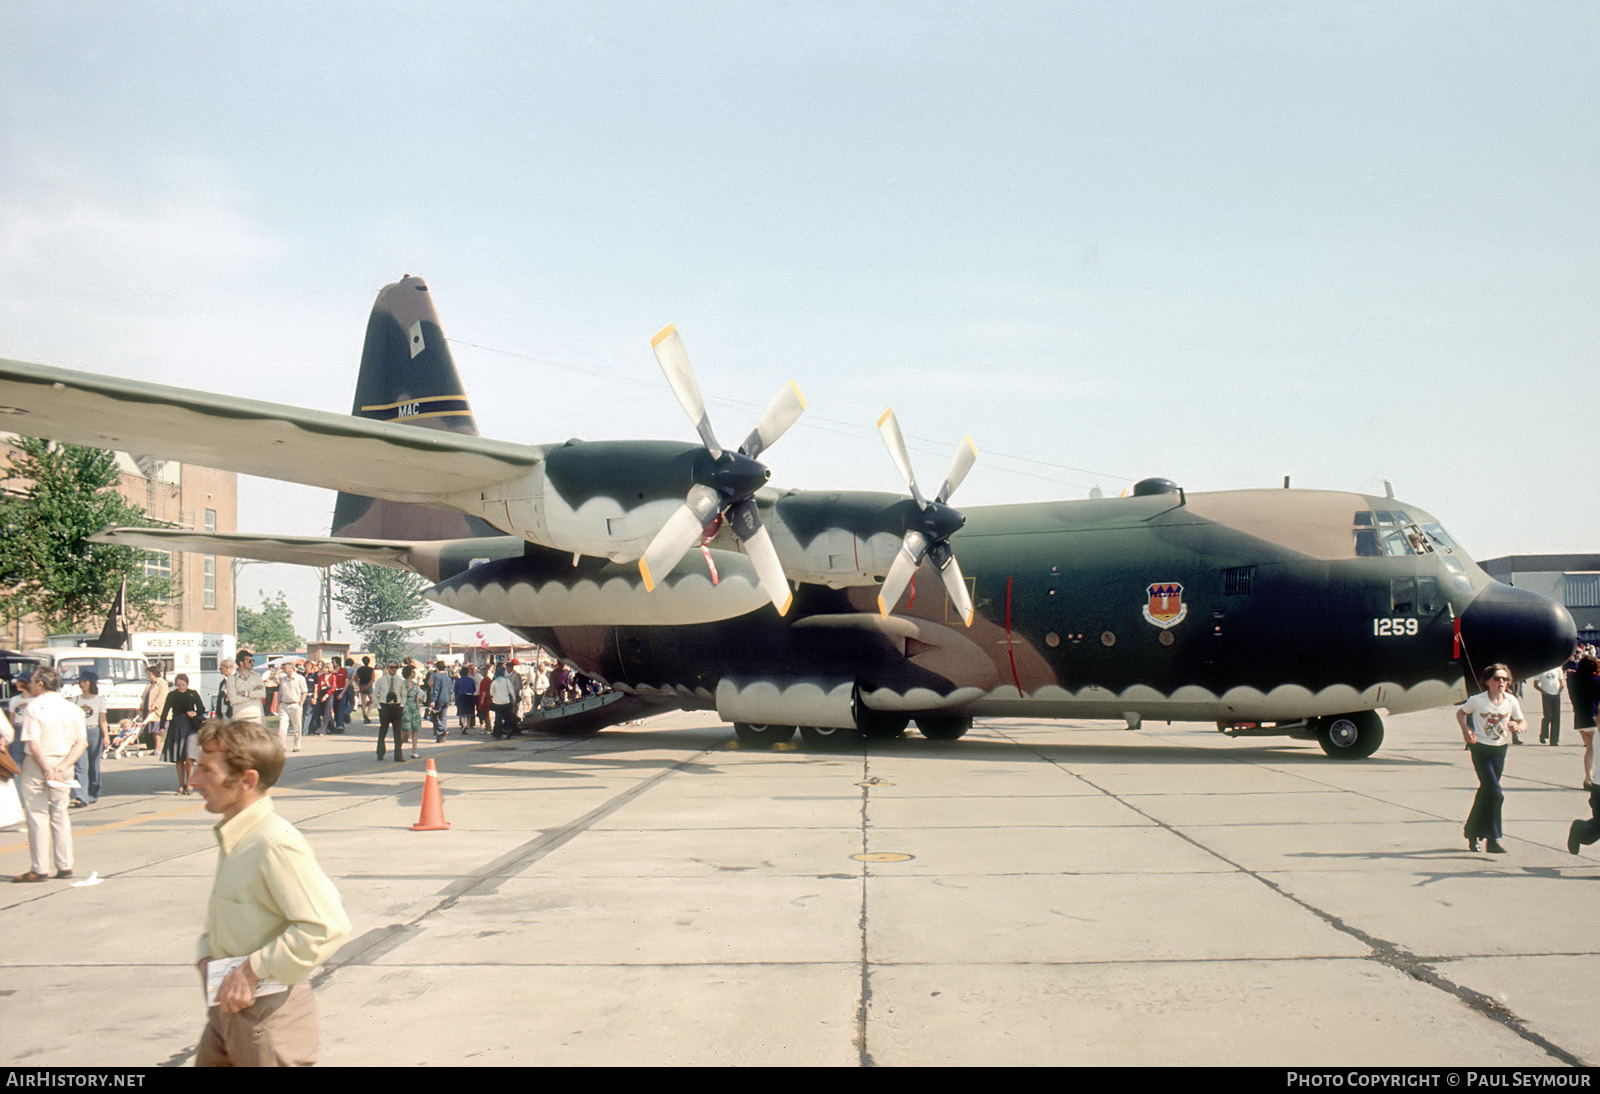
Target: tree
{"type": "Point", "coordinates": [56, 497]}
{"type": "Point", "coordinates": [272, 628]}
{"type": "Point", "coordinates": [371, 595]}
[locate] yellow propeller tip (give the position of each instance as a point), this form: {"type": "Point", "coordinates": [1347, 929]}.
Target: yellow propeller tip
{"type": "Point", "coordinates": [663, 334]}
{"type": "Point", "coordinates": [644, 572]}
{"type": "Point", "coordinates": [885, 416]}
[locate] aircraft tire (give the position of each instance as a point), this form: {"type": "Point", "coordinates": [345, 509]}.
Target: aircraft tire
{"type": "Point", "coordinates": [762, 734]}
{"type": "Point", "coordinates": [879, 725]}
{"type": "Point", "coordinates": [940, 727]}
{"type": "Point", "coordinates": [826, 737]}
{"type": "Point", "coordinates": [1350, 736]}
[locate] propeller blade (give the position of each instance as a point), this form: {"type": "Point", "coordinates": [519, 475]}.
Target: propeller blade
{"type": "Point", "coordinates": [889, 428]}
{"type": "Point", "coordinates": [680, 533]}
{"type": "Point", "coordinates": [784, 410]}
{"type": "Point", "coordinates": [966, 456]}
{"type": "Point", "coordinates": [905, 564]}
{"type": "Point", "coordinates": [745, 520]}
{"type": "Point", "coordinates": [956, 585]}
{"type": "Point", "coordinates": [674, 361]}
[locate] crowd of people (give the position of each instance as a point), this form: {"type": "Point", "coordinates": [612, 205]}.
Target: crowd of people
{"type": "Point", "coordinates": [273, 915]}
{"type": "Point", "coordinates": [309, 697]}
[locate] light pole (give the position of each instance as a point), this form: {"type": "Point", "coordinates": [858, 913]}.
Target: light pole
{"type": "Point", "coordinates": [239, 564]}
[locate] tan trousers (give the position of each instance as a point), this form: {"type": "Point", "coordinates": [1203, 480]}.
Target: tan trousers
{"type": "Point", "coordinates": [49, 827]}
{"type": "Point", "coordinates": [276, 1031]}
{"type": "Point", "coordinates": [290, 715]}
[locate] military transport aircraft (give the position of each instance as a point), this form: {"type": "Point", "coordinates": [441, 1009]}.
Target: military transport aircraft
{"type": "Point", "coordinates": [1268, 612]}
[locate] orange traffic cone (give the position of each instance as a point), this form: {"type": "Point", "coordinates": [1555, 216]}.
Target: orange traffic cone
{"type": "Point", "coordinates": [432, 819]}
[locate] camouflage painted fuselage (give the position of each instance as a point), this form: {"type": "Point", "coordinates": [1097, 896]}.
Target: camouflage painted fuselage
{"type": "Point", "coordinates": [1261, 604]}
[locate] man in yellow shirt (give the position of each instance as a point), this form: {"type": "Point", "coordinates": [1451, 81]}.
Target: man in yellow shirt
{"type": "Point", "coordinates": [270, 904]}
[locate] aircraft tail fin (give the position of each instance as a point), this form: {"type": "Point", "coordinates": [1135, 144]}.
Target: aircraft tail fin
{"type": "Point", "coordinates": [407, 375]}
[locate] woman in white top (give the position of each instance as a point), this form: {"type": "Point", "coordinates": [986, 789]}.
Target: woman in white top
{"type": "Point", "coordinates": [1487, 721]}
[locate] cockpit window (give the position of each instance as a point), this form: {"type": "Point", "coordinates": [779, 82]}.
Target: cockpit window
{"type": "Point", "coordinates": [1395, 533]}
{"type": "Point", "coordinates": [1437, 534]}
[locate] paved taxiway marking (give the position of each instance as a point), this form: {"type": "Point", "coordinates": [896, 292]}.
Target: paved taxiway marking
{"type": "Point", "coordinates": [1386, 953]}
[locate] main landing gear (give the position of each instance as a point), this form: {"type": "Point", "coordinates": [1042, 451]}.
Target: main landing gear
{"type": "Point", "coordinates": [750, 734]}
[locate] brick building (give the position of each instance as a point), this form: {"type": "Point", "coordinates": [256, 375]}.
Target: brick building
{"type": "Point", "coordinates": [184, 496]}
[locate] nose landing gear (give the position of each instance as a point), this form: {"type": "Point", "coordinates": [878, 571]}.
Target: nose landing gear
{"type": "Point", "coordinates": [1350, 736]}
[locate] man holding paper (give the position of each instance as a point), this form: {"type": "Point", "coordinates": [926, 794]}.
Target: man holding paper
{"type": "Point", "coordinates": [271, 906]}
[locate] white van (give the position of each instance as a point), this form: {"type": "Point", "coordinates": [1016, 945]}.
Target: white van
{"type": "Point", "coordinates": [196, 654]}
{"type": "Point", "coordinates": [121, 672]}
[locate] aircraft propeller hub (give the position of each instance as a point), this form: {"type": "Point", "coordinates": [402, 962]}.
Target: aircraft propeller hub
{"type": "Point", "coordinates": [938, 521]}
{"type": "Point", "coordinates": [736, 476]}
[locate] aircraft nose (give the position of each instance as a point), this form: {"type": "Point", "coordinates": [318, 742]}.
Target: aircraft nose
{"type": "Point", "coordinates": [1521, 629]}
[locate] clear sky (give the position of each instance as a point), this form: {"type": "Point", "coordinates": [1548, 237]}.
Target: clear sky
{"type": "Point", "coordinates": [1220, 242]}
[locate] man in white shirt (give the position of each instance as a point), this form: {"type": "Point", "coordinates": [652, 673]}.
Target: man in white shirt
{"type": "Point", "coordinates": [291, 704]}
{"type": "Point", "coordinates": [1550, 685]}
{"type": "Point", "coordinates": [245, 690]}
{"type": "Point", "coordinates": [54, 732]}
{"type": "Point", "coordinates": [390, 695]}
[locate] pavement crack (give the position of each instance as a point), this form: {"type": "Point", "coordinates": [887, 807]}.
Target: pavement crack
{"type": "Point", "coordinates": [864, 999]}
{"type": "Point", "coordinates": [1386, 953]}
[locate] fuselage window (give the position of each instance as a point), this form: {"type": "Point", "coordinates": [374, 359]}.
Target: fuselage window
{"type": "Point", "coordinates": [1427, 595]}
{"type": "Point", "coordinates": [1403, 595]}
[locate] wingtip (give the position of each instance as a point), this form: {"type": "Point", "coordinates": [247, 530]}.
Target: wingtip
{"type": "Point", "coordinates": [663, 334]}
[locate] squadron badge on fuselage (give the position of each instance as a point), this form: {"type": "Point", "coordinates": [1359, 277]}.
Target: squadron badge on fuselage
{"type": "Point", "coordinates": [1165, 607]}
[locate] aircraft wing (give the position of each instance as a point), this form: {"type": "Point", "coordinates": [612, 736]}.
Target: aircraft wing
{"type": "Point", "coordinates": [299, 550]}
{"type": "Point", "coordinates": [337, 451]}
